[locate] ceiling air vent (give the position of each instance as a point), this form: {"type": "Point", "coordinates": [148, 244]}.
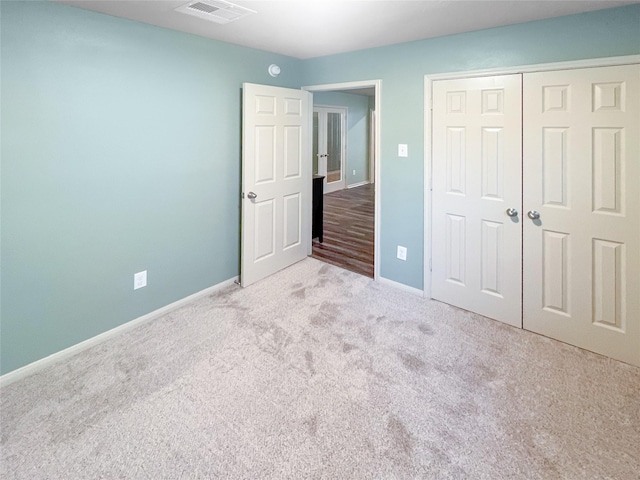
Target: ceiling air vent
{"type": "Point", "coordinates": [216, 11]}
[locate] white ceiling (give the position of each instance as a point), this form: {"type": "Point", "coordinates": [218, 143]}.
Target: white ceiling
{"type": "Point", "coordinates": [312, 28]}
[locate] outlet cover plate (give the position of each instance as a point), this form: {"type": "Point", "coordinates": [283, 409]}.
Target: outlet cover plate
{"type": "Point", "coordinates": [140, 280]}
{"type": "Point", "coordinates": [403, 150]}
{"type": "Point", "coordinates": [402, 252]}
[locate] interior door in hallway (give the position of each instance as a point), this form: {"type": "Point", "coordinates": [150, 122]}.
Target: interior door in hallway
{"type": "Point", "coordinates": [582, 181]}
{"type": "Point", "coordinates": [276, 179]}
{"type": "Point", "coordinates": [477, 194]}
{"type": "Point", "coordinates": [329, 139]}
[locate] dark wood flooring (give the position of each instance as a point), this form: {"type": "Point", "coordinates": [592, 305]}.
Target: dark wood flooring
{"type": "Point", "coordinates": [348, 230]}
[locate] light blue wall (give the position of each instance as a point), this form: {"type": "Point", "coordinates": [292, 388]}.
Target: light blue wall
{"type": "Point", "coordinates": [357, 130]}
{"type": "Point", "coordinates": [120, 153]}
{"type": "Point", "coordinates": [402, 68]}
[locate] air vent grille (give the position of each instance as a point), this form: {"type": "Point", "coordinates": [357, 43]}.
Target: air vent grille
{"type": "Point", "coordinates": [203, 7]}
{"type": "Point", "coordinates": [217, 11]}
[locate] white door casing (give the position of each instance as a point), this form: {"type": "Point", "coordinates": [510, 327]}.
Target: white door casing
{"type": "Point", "coordinates": [581, 259]}
{"type": "Point", "coordinates": [372, 146]}
{"type": "Point", "coordinates": [276, 223]}
{"type": "Point", "coordinates": [477, 176]}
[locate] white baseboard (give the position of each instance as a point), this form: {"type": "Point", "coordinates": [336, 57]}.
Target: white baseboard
{"type": "Point", "coordinates": [38, 365]}
{"type": "Point", "coordinates": [359, 184]}
{"type": "Point", "coordinates": [401, 286]}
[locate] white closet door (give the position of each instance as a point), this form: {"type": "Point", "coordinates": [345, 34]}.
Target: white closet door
{"type": "Point", "coordinates": [477, 177]}
{"type": "Point", "coordinates": [582, 175]}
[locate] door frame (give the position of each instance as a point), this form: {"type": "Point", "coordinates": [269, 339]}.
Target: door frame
{"type": "Point", "coordinates": [372, 145]}
{"type": "Point", "coordinates": [377, 86]}
{"type": "Point", "coordinates": [428, 127]}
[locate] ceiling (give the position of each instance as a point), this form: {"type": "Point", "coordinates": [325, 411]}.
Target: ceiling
{"type": "Point", "coordinates": [312, 28]}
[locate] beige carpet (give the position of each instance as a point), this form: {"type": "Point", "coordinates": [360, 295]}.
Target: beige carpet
{"type": "Point", "coordinates": [321, 373]}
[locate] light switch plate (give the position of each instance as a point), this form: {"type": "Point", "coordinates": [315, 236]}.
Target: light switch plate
{"type": "Point", "coordinates": [402, 252]}
{"type": "Point", "coordinates": [403, 150]}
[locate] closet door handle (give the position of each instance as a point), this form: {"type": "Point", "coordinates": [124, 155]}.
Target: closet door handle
{"type": "Point", "coordinates": [252, 195]}
{"type": "Point", "coordinates": [533, 215]}
{"type": "Point", "coordinates": [512, 212]}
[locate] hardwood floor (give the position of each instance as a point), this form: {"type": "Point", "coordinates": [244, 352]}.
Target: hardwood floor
{"type": "Point", "coordinates": [348, 230]}
{"type": "Point", "coordinates": [333, 176]}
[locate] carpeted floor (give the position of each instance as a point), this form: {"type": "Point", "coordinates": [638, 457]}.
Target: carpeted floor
{"type": "Point", "coordinates": [318, 372]}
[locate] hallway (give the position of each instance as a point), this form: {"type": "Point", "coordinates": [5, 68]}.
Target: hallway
{"type": "Point", "coordinates": [348, 230]}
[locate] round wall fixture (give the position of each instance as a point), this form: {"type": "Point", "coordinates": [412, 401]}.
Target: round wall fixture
{"type": "Point", "coordinates": [274, 70]}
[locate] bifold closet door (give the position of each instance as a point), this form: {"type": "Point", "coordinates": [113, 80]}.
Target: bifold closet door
{"type": "Point", "coordinates": [582, 177]}
{"type": "Point", "coordinates": [477, 194]}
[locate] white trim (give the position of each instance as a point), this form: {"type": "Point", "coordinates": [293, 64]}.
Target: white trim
{"type": "Point", "coordinates": [428, 165]}
{"type": "Point", "coordinates": [428, 104]}
{"type": "Point", "coordinates": [540, 67]}
{"type": "Point", "coordinates": [377, 85]}
{"type": "Point", "coordinates": [401, 286]}
{"type": "Point", "coordinates": [325, 87]}
{"type": "Point", "coordinates": [359, 184]}
{"type": "Point", "coordinates": [372, 146]}
{"type": "Point", "coordinates": [69, 352]}
{"type": "Point", "coordinates": [309, 150]}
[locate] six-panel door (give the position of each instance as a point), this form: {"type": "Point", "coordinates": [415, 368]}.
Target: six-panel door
{"type": "Point", "coordinates": [276, 179]}
{"type": "Point", "coordinates": [477, 160]}
{"type": "Point", "coordinates": [582, 175]}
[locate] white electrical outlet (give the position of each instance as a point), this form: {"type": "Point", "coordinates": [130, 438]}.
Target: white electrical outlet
{"type": "Point", "coordinates": [403, 150]}
{"type": "Point", "coordinates": [402, 252]}
{"type": "Point", "coordinates": [139, 280]}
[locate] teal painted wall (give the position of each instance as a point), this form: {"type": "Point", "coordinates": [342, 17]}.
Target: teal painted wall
{"type": "Point", "coordinates": [120, 153]}
{"type": "Point", "coordinates": [357, 130]}
{"type": "Point", "coordinates": [402, 68]}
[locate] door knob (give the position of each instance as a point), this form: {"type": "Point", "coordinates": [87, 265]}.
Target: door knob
{"type": "Point", "coordinates": [533, 215]}
{"type": "Point", "coordinates": [252, 195]}
{"type": "Point", "coordinates": [512, 212]}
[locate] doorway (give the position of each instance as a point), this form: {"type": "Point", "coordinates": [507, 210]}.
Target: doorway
{"type": "Point", "coordinates": [352, 196]}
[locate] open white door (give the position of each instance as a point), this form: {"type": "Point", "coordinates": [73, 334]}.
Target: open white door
{"type": "Point", "coordinates": [276, 179]}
